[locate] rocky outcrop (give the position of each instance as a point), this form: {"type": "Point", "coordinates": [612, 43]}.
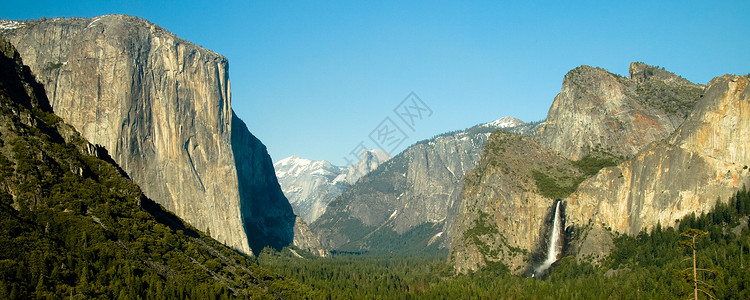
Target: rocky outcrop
{"type": "Point", "coordinates": [669, 172]}
{"type": "Point", "coordinates": [600, 111]}
{"type": "Point", "coordinates": [705, 160]}
{"type": "Point", "coordinates": [305, 239]}
{"type": "Point", "coordinates": [368, 161]}
{"type": "Point", "coordinates": [311, 185]}
{"type": "Point", "coordinates": [409, 202]}
{"type": "Point", "coordinates": [162, 107]}
{"type": "Point", "coordinates": [504, 213]}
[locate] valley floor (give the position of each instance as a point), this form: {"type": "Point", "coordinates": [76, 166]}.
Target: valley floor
{"type": "Point", "coordinates": [647, 266]}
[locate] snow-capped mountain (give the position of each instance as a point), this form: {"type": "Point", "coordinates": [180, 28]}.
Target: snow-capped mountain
{"type": "Point", "coordinates": [505, 122]}
{"type": "Point", "coordinates": [311, 184]}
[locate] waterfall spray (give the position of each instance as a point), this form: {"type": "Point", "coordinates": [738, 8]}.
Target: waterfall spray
{"type": "Point", "coordinates": [555, 245]}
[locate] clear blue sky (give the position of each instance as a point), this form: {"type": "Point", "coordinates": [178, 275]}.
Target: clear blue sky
{"type": "Point", "coordinates": [313, 79]}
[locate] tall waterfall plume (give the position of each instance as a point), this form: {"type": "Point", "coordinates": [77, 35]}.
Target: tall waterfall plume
{"type": "Point", "coordinates": [555, 244]}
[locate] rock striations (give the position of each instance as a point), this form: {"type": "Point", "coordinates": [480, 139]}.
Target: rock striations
{"type": "Point", "coordinates": [503, 212]}
{"type": "Point", "coordinates": [408, 203]}
{"type": "Point", "coordinates": [598, 120]}
{"type": "Point", "coordinates": [600, 111]}
{"type": "Point", "coordinates": [162, 107]}
{"type": "Point", "coordinates": [705, 160]}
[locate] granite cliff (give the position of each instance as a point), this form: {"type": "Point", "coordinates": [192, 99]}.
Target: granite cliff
{"type": "Point", "coordinates": [704, 161]}
{"type": "Point", "coordinates": [600, 111]}
{"type": "Point", "coordinates": [162, 107]}
{"type": "Point", "coordinates": [68, 212]}
{"type": "Point", "coordinates": [409, 202]}
{"type": "Point", "coordinates": [505, 204]}
{"type": "Point", "coordinates": [598, 120]}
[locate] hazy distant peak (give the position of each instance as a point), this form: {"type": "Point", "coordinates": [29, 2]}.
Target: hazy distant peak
{"type": "Point", "coordinates": [369, 160]}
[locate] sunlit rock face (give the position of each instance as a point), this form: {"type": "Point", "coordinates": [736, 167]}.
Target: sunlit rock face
{"type": "Point", "coordinates": [503, 215]}
{"type": "Point", "coordinates": [704, 160]}
{"type": "Point", "coordinates": [162, 107]}
{"type": "Point", "coordinates": [690, 150]}
{"type": "Point", "coordinates": [409, 203]}
{"type": "Point", "coordinates": [600, 111]}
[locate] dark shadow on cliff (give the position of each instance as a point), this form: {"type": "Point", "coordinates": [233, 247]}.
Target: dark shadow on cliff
{"type": "Point", "coordinates": [165, 217]}
{"type": "Point", "coordinates": [266, 213]}
{"type": "Point", "coordinates": [18, 83]}
{"type": "Point", "coordinates": [539, 254]}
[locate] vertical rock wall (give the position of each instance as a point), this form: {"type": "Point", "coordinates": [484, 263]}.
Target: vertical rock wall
{"type": "Point", "coordinates": [162, 107]}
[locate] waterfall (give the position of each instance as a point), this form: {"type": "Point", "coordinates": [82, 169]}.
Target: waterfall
{"type": "Point", "coordinates": [555, 245]}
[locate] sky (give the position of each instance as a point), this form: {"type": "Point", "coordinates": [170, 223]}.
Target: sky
{"type": "Point", "coordinates": [323, 79]}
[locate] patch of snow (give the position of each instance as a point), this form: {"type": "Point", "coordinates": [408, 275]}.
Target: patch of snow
{"type": "Point", "coordinates": [393, 215]}
{"type": "Point", "coordinates": [434, 238]}
{"type": "Point", "coordinates": [322, 172]}
{"type": "Point", "coordinates": [505, 122]}
{"type": "Point", "coordinates": [437, 221]}
{"type": "Point", "coordinates": [293, 166]}
{"type": "Point", "coordinates": [340, 178]}
{"type": "Point", "coordinates": [295, 253]}
{"type": "Point", "coordinates": [11, 24]}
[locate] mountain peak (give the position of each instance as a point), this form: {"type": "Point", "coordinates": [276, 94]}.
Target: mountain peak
{"type": "Point", "coordinates": [369, 160]}
{"type": "Point", "coordinates": [641, 72]}
{"type": "Point", "coordinates": [589, 112]}
{"type": "Point", "coordinates": [505, 122]}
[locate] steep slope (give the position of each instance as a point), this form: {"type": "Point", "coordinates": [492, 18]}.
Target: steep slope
{"type": "Point", "coordinates": [507, 201]}
{"type": "Point", "coordinates": [162, 107]}
{"type": "Point", "coordinates": [311, 185]}
{"type": "Point", "coordinates": [705, 160]}
{"type": "Point", "coordinates": [600, 111]}
{"type": "Point", "coordinates": [598, 120]}
{"type": "Point", "coordinates": [409, 202]}
{"type": "Point", "coordinates": [368, 161]}
{"type": "Point", "coordinates": [71, 223]}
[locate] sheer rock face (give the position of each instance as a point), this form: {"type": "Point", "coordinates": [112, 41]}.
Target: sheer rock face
{"type": "Point", "coordinates": [418, 189]}
{"type": "Point", "coordinates": [673, 167]}
{"type": "Point", "coordinates": [306, 240]}
{"type": "Point", "coordinates": [161, 106]}
{"type": "Point", "coordinates": [598, 110]}
{"type": "Point", "coordinates": [503, 216]}
{"type": "Point", "coordinates": [704, 160]}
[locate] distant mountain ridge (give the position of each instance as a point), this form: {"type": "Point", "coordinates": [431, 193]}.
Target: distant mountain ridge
{"type": "Point", "coordinates": [409, 202]}
{"type": "Point", "coordinates": [311, 185]}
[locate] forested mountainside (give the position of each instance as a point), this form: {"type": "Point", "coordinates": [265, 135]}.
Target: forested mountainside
{"type": "Point", "coordinates": [72, 224]}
